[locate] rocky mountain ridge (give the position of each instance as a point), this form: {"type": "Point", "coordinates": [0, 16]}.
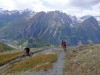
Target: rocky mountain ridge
{"type": "Point", "coordinates": [48, 27]}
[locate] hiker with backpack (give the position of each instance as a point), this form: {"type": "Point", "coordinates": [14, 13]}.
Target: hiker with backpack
{"type": "Point", "coordinates": [63, 44]}
{"type": "Point", "coordinates": [27, 51]}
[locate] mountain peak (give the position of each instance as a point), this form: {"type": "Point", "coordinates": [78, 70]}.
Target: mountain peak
{"type": "Point", "coordinates": [92, 20]}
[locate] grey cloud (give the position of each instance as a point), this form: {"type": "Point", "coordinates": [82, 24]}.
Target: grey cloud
{"type": "Point", "coordinates": [45, 3]}
{"type": "Point", "coordinates": [84, 3]}
{"type": "Point", "coordinates": [52, 6]}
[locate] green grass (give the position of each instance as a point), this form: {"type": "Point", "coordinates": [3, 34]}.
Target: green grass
{"type": "Point", "coordinates": [83, 60]}
{"type": "Point", "coordinates": [4, 58]}
{"type": "Point", "coordinates": [4, 47]}
{"type": "Point", "coordinates": [32, 62]}
{"type": "Point", "coordinates": [44, 67]}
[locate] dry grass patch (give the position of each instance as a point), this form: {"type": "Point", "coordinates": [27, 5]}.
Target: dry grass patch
{"type": "Point", "coordinates": [32, 62]}
{"type": "Point", "coordinates": [4, 58]}
{"type": "Point", "coordinates": [83, 60]}
{"type": "Point", "coordinates": [43, 67]}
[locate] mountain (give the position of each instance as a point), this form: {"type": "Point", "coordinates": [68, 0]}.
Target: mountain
{"type": "Point", "coordinates": [8, 17]}
{"type": "Point", "coordinates": [88, 31]}
{"type": "Point", "coordinates": [85, 17]}
{"type": "Point", "coordinates": [98, 19]}
{"type": "Point", "coordinates": [47, 28]}
{"type": "Point", "coordinates": [4, 47]}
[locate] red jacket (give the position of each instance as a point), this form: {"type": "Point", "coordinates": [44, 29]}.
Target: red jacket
{"type": "Point", "coordinates": [63, 44]}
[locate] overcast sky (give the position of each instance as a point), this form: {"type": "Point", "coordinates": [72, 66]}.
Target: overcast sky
{"type": "Point", "coordinates": [73, 7]}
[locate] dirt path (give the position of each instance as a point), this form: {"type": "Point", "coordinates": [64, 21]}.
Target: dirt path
{"type": "Point", "coordinates": [58, 67]}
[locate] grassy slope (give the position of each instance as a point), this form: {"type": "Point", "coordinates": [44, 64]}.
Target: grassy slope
{"type": "Point", "coordinates": [4, 47]}
{"type": "Point", "coordinates": [83, 60]}
{"type": "Point", "coordinates": [41, 61]}
{"type": "Point", "coordinates": [4, 58]}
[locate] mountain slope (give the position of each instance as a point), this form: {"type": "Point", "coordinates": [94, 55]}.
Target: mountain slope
{"type": "Point", "coordinates": [34, 64]}
{"type": "Point", "coordinates": [4, 47]}
{"type": "Point", "coordinates": [51, 28]}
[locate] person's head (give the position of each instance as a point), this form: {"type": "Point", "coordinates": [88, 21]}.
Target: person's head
{"type": "Point", "coordinates": [62, 40]}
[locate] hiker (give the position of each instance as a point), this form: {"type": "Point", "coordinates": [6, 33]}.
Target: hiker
{"type": "Point", "coordinates": [63, 44]}
{"type": "Point", "coordinates": [27, 51]}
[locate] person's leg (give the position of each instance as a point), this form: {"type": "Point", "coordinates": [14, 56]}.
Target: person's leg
{"type": "Point", "coordinates": [28, 53]}
{"type": "Point", "coordinates": [64, 47]}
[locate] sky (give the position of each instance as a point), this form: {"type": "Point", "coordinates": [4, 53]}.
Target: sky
{"type": "Point", "coordinates": [73, 7]}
